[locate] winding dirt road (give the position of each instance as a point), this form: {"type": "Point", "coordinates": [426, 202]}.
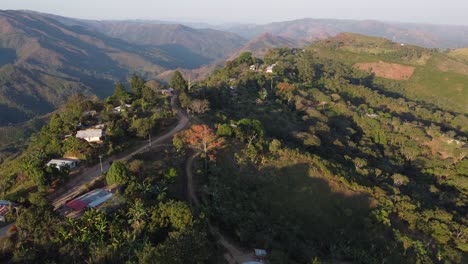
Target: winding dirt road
{"type": "Point", "coordinates": [65, 193]}
{"type": "Point", "coordinates": [72, 188]}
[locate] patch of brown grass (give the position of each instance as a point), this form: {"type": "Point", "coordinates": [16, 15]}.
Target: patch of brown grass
{"type": "Point", "coordinates": [387, 70]}
{"type": "Point", "coordinates": [452, 65]}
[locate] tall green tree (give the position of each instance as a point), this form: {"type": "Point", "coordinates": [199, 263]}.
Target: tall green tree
{"type": "Point", "coordinates": [118, 173]}
{"type": "Point", "coordinates": [245, 57]}
{"type": "Point", "coordinates": [136, 85]}
{"type": "Point", "coordinates": [306, 66]}
{"type": "Point", "coordinates": [178, 82]}
{"type": "Point", "coordinates": [120, 94]}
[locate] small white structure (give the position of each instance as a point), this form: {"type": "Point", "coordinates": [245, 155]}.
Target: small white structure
{"type": "Point", "coordinates": [169, 91]}
{"type": "Point", "coordinates": [62, 163]}
{"type": "Point", "coordinates": [253, 67]}
{"type": "Point", "coordinates": [91, 135]}
{"type": "Point", "coordinates": [270, 68]}
{"type": "Point", "coordinates": [90, 113]}
{"type": "Point", "coordinates": [119, 108]}
{"type": "Point", "coordinates": [261, 253]}
{"type": "Point", "coordinates": [372, 115]}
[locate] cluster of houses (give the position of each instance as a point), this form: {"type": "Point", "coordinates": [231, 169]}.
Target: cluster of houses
{"type": "Point", "coordinates": [94, 134]}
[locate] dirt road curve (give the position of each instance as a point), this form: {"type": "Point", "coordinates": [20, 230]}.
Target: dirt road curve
{"type": "Point", "coordinates": [234, 254]}
{"type": "Point", "coordinates": [71, 189]}
{"type": "Point", "coordinates": [4, 230]}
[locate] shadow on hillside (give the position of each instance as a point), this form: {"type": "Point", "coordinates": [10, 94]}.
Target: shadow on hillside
{"type": "Point", "coordinates": [292, 211]}
{"type": "Point", "coordinates": [184, 57]}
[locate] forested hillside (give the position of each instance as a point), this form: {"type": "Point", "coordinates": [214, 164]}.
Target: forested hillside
{"type": "Point", "coordinates": [321, 161]}
{"type": "Point", "coordinates": [260, 45]}
{"type": "Point", "coordinates": [350, 150]}
{"type": "Point", "coordinates": [146, 220]}
{"type": "Point", "coordinates": [209, 44]}
{"type": "Point", "coordinates": [43, 61]}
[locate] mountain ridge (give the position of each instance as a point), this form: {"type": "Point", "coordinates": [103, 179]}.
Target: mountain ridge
{"type": "Point", "coordinates": [426, 35]}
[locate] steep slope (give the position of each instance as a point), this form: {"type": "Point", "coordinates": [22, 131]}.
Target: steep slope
{"type": "Point", "coordinates": [416, 73]}
{"type": "Point", "coordinates": [426, 35]}
{"type": "Point", "coordinates": [459, 54]}
{"type": "Point", "coordinates": [209, 43]}
{"type": "Point", "coordinates": [261, 44]}
{"type": "Point", "coordinates": [201, 45]}
{"type": "Point", "coordinates": [43, 62]}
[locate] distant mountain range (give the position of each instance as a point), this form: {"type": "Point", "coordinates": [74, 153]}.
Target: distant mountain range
{"type": "Point", "coordinates": [44, 58]}
{"type": "Point", "coordinates": [425, 35]}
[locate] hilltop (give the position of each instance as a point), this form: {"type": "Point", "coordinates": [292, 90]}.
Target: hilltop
{"type": "Point", "coordinates": [260, 45]}
{"type": "Point", "coordinates": [417, 73]}
{"type": "Point", "coordinates": [459, 54]}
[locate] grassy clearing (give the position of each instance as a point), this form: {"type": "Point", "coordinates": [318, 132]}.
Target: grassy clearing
{"type": "Point", "coordinates": [445, 89]}
{"type": "Point", "coordinates": [459, 54]}
{"type": "Point", "coordinates": [437, 79]}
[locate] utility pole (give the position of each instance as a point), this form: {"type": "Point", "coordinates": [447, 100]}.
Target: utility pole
{"type": "Point", "coordinates": [100, 161]}
{"type": "Point", "coordinates": [190, 81]}
{"type": "Point", "coordinates": [271, 84]}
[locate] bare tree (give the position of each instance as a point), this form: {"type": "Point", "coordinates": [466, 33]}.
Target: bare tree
{"type": "Point", "coordinates": [199, 106]}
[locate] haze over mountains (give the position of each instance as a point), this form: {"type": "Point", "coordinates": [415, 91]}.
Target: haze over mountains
{"type": "Point", "coordinates": [45, 58]}
{"type": "Point", "coordinates": [425, 35]}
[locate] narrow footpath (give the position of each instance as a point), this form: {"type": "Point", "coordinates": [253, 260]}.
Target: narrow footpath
{"type": "Point", "coordinates": [234, 254]}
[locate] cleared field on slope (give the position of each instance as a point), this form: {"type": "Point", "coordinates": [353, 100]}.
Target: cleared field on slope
{"type": "Point", "coordinates": [386, 70]}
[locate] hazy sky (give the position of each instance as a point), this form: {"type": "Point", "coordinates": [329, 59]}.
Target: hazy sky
{"type": "Point", "coordinates": [252, 11]}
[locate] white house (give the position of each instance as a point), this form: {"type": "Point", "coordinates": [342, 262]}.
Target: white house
{"type": "Point", "coordinates": [119, 108]}
{"type": "Point", "coordinates": [62, 163]}
{"type": "Point", "coordinates": [169, 91]}
{"type": "Point", "coordinates": [270, 68]}
{"type": "Point", "coordinates": [91, 135]}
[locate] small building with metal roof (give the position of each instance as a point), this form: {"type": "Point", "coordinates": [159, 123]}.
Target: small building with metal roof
{"type": "Point", "coordinates": [92, 199]}
{"type": "Point", "coordinates": [92, 135]}
{"type": "Point", "coordinates": [62, 163]}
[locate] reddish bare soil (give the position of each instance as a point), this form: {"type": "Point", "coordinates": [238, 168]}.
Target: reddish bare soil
{"type": "Point", "coordinates": [387, 70]}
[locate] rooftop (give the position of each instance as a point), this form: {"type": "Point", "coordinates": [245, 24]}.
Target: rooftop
{"type": "Point", "coordinates": [91, 199]}
{"type": "Point", "coordinates": [90, 133]}
{"type": "Point", "coordinates": [61, 162]}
